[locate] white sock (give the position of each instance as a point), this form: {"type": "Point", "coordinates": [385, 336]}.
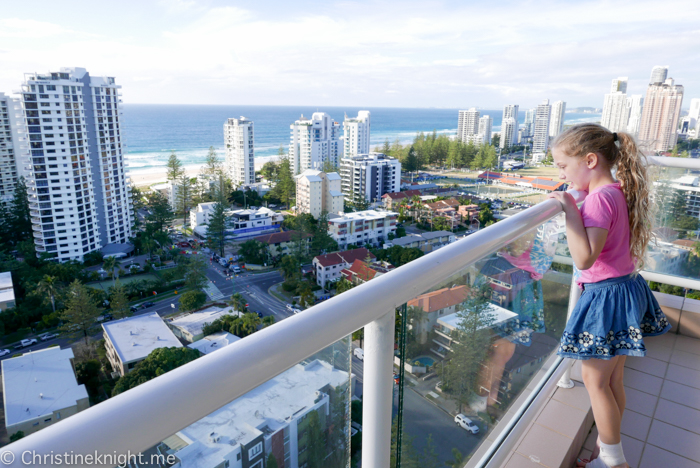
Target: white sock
{"type": "Point", "coordinates": [612, 455]}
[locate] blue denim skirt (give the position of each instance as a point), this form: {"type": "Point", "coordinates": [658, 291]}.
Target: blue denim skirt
{"type": "Point", "coordinates": [610, 319]}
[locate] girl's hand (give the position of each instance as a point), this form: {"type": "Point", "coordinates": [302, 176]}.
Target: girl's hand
{"type": "Point", "coordinates": [567, 201]}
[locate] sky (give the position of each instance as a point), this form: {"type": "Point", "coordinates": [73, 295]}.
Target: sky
{"type": "Point", "coordinates": [449, 54]}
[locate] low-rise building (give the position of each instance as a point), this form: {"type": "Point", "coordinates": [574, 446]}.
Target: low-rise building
{"type": "Point", "coordinates": [686, 244]}
{"type": "Point", "coordinates": [327, 267]}
{"type": "Point", "coordinates": [369, 227]}
{"type": "Point", "coordinates": [447, 325]}
{"type": "Point", "coordinates": [361, 272]}
{"type": "Point", "coordinates": [7, 291]}
{"type": "Point", "coordinates": [434, 305]}
{"type": "Point", "coordinates": [270, 419]}
{"type": "Point", "coordinates": [279, 244]}
{"type": "Point", "coordinates": [392, 200]}
{"type": "Point", "coordinates": [318, 192]}
{"type": "Point", "coordinates": [427, 242]}
{"type": "Point", "coordinates": [130, 340]}
{"type": "Point", "coordinates": [40, 388]}
{"type": "Point", "coordinates": [213, 342]}
{"type": "Point", "coordinates": [663, 257]}
{"type": "Point", "coordinates": [242, 224]}
{"type": "Point", "coordinates": [190, 327]}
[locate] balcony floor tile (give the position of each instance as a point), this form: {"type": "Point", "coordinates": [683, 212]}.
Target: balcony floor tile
{"type": "Point", "coordinates": [683, 375]}
{"type": "Point", "coordinates": [643, 382]}
{"type": "Point", "coordinates": [682, 394]}
{"type": "Point", "coordinates": [647, 365]}
{"type": "Point", "coordinates": [678, 415]}
{"type": "Point", "coordinates": [655, 457]}
{"type": "Point", "coordinates": [675, 439]}
{"type": "Point", "coordinates": [635, 425]}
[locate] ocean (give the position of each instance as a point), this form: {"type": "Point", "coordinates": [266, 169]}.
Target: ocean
{"type": "Point", "coordinates": [152, 132]}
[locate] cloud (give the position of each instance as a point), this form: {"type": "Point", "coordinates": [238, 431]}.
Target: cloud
{"type": "Point", "coordinates": [399, 55]}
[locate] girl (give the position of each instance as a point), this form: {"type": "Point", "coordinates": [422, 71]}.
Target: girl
{"type": "Point", "coordinates": [607, 239]}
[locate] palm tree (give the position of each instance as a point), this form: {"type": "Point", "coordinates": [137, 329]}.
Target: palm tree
{"type": "Point", "coordinates": [110, 263]}
{"type": "Point", "coordinates": [237, 302]}
{"type": "Point", "coordinates": [49, 285]}
{"type": "Point", "coordinates": [250, 323]}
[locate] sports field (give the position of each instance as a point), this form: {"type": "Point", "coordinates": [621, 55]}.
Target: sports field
{"type": "Point", "coordinates": [108, 283]}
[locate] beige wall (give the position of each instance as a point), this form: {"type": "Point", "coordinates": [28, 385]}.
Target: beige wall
{"type": "Point", "coordinates": [34, 425]}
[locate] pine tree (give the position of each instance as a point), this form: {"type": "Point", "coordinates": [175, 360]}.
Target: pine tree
{"type": "Point", "coordinates": [161, 212]}
{"type": "Point", "coordinates": [119, 302]}
{"type": "Point", "coordinates": [212, 165]}
{"type": "Point", "coordinates": [175, 169]}
{"type": "Point", "coordinates": [183, 198]}
{"type": "Point", "coordinates": [20, 218]}
{"type": "Point", "coordinates": [218, 223]}
{"type": "Point", "coordinates": [81, 312]}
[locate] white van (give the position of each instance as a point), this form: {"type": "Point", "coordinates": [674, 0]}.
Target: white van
{"type": "Point", "coordinates": [359, 353]}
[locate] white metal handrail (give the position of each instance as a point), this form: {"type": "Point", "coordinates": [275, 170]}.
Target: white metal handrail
{"type": "Point", "coordinates": [144, 416]}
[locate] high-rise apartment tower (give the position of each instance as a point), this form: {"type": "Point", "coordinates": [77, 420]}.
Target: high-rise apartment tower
{"type": "Point", "coordinates": [635, 104]}
{"type": "Point", "coordinates": [662, 109]}
{"type": "Point", "coordinates": [486, 128]}
{"type": "Point", "coordinates": [13, 146]}
{"type": "Point", "coordinates": [540, 141]}
{"type": "Point", "coordinates": [556, 121]}
{"type": "Point", "coordinates": [468, 124]}
{"type": "Point", "coordinates": [510, 111]}
{"type": "Point", "coordinates": [314, 142]}
{"type": "Point", "coordinates": [658, 74]}
{"type": "Point", "coordinates": [79, 198]}
{"type": "Point", "coordinates": [240, 155]}
{"type": "Point", "coordinates": [356, 134]}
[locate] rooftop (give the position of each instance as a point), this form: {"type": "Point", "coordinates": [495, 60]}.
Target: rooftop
{"type": "Point", "coordinates": [497, 313]}
{"type": "Point", "coordinates": [346, 256]}
{"type": "Point", "coordinates": [278, 237]}
{"type": "Point", "coordinates": [364, 215]}
{"type": "Point", "coordinates": [194, 323]}
{"type": "Point", "coordinates": [38, 383]}
{"type": "Point", "coordinates": [213, 342]}
{"type": "Point", "coordinates": [440, 299]}
{"type": "Point", "coordinates": [5, 280]}
{"type": "Point", "coordinates": [273, 405]}
{"type": "Point", "coordinates": [135, 337]}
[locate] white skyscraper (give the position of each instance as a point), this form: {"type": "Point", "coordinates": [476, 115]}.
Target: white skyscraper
{"type": "Point", "coordinates": [511, 111]}
{"type": "Point", "coordinates": [619, 85]}
{"type": "Point", "coordinates": [468, 124]}
{"type": "Point", "coordinates": [486, 128]}
{"type": "Point", "coordinates": [240, 155]}
{"type": "Point", "coordinates": [694, 115]}
{"type": "Point", "coordinates": [79, 198]}
{"type": "Point", "coordinates": [508, 128]}
{"type": "Point", "coordinates": [658, 74]}
{"type": "Point", "coordinates": [635, 104]}
{"type": "Point", "coordinates": [540, 141]}
{"type": "Point", "coordinates": [529, 124]}
{"type": "Point", "coordinates": [556, 122]}
{"type": "Point", "coordinates": [313, 142]}
{"type": "Point", "coordinates": [14, 151]}
{"type": "Point", "coordinates": [356, 134]}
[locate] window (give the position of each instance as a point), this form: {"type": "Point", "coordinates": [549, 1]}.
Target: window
{"type": "Point", "coordinates": [255, 451]}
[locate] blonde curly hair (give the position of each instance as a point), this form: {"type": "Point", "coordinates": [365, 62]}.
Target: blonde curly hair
{"type": "Point", "coordinates": [620, 151]}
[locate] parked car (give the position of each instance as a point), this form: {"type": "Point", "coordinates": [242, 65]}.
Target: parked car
{"type": "Point", "coordinates": [359, 353]}
{"type": "Point", "coordinates": [289, 307]}
{"type": "Point", "coordinates": [47, 336]}
{"type": "Point", "coordinates": [146, 305]}
{"type": "Point", "coordinates": [4, 352]}
{"type": "Point", "coordinates": [237, 270]}
{"type": "Point", "coordinates": [466, 423]}
{"type": "Point", "coordinates": [27, 342]}
{"type": "Point", "coordinates": [260, 314]}
{"type": "Point", "coordinates": [133, 308]}
{"type": "Point", "coordinates": [223, 262]}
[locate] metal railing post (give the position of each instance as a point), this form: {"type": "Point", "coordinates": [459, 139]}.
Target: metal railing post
{"type": "Point", "coordinates": [378, 391]}
{"type": "Point", "coordinates": [574, 294]}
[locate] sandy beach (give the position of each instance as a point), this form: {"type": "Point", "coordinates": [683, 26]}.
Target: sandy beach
{"type": "Point", "coordinates": [148, 178]}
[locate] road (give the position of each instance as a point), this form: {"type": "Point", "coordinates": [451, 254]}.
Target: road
{"type": "Point", "coordinates": [422, 418]}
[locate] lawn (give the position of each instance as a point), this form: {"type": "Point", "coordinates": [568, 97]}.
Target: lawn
{"type": "Point", "coordinates": [108, 283]}
{"type": "Point", "coordinates": [544, 171]}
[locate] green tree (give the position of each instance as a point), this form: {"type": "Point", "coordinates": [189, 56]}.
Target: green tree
{"type": "Point", "coordinates": [238, 302]}
{"type": "Point", "coordinates": [119, 302]}
{"type": "Point", "coordinates": [81, 312]}
{"type": "Point", "coordinates": [271, 461]}
{"type": "Point", "coordinates": [496, 140]}
{"type": "Point", "coordinates": [183, 195]}
{"type": "Point", "coordinates": [20, 218]}
{"type": "Point", "coordinates": [110, 264]}
{"type": "Point", "coordinates": [329, 167]}
{"type": "Point", "coordinates": [343, 285]}
{"type": "Point", "coordinates": [174, 168]}
{"type": "Point", "coordinates": [253, 251]}
{"type": "Point", "coordinates": [411, 163]}
{"type": "Point", "coordinates": [195, 273]}
{"type": "Point", "coordinates": [50, 286]}
{"type": "Point", "coordinates": [161, 213]}
{"type": "Point", "coordinates": [219, 223]}
{"type": "Point", "coordinates": [457, 460]}
{"type": "Point", "coordinates": [157, 363]}
{"type": "Point", "coordinates": [315, 441]}
{"type": "Point", "coordinates": [192, 300]}
{"type": "Point", "coordinates": [284, 185]}
{"type": "Point", "coordinates": [212, 165]}
{"type": "Point", "coordinates": [289, 267]}
{"type": "Point", "coordinates": [16, 436]}
{"type": "Point", "coordinates": [269, 170]}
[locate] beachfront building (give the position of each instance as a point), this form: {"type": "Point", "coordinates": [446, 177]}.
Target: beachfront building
{"type": "Point", "coordinates": [635, 103]}
{"type": "Point", "coordinates": [272, 419]}
{"type": "Point", "coordinates": [327, 267]}
{"type": "Point", "coordinates": [508, 132]}
{"type": "Point", "coordinates": [369, 176]}
{"type": "Point", "coordinates": [39, 388]}
{"type": "Point", "coordinates": [7, 291]}
{"type": "Point", "coordinates": [662, 109]}
{"type": "Point", "coordinates": [486, 128]}
{"type": "Point", "coordinates": [540, 141]}
{"type": "Point", "coordinates": [318, 192]}
{"type": "Point", "coordinates": [368, 227]}
{"type": "Point", "coordinates": [468, 124]}
{"type": "Point", "coordinates": [314, 142]}
{"type": "Point", "coordinates": [510, 111]}
{"type": "Point", "coordinates": [529, 124]}
{"type": "Point", "coordinates": [240, 163]}
{"type": "Point", "coordinates": [79, 198]}
{"type": "Point", "coordinates": [130, 340]}
{"type": "Point", "coordinates": [14, 150]}
{"type": "Point", "coordinates": [241, 224]}
{"type": "Point", "coordinates": [616, 107]}
{"type": "Point", "coordinates": [694, 117]}
{"type": "Point", "coordinates": [356, 134]}
{"type": "Point", "coordinates": [556, 120]}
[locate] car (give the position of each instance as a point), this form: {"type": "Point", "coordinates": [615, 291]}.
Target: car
{"type": "Point", "coordinates": [237, 269]}
{"type": "Point", "coordinates": [4, 352]}
{"type": "Point", "coordinates": [466, 424]}
{"type": "Point", "coordinates": [296, 310]}
{"type": "Point", "coordinates": [47, 336]}
{"type": "Point", "coordinates": [25, 343]}
{"type": "Point", "coordinates": [289, 307]}
{"type": "Point", "coordinates": [438, 386]}
{"type": "Point", "coordinates": [359, 353]}
{"type": "Point", "coordinates": [223, 262]}
{"type": "Point", "coordinates": [133, 308]}
{"type": "Point", "coordinates": [260, 314]}
{"type": "Point", "coordinates": [146, 305]}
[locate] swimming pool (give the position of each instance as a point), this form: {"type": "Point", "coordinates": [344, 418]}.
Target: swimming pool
{"type": "Point", "coordinates": [425, 361]}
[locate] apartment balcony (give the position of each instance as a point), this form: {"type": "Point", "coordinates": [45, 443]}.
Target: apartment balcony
{"type": "Point", "coordinates": [525, 419]}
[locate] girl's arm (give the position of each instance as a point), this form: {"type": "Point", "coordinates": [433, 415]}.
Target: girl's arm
{"type": "Point", "coordinates": [585, 244]}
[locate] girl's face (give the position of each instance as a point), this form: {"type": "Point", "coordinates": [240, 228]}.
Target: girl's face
{"type": "Point", "coordinates": [575, 171]}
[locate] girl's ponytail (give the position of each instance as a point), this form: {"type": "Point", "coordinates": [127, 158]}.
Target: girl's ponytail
{"type": "Point", "coordinates": [632, 174]}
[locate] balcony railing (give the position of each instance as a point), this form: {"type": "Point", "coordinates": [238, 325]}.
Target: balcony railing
{"type": "Point", "coordinates": [145, 416]}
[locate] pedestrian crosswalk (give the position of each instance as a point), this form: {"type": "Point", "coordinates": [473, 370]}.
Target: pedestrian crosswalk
{"type": "Point", "coordinates": [213, 292]}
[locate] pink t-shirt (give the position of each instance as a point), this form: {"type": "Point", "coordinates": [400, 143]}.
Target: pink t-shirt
{"type": "Point", "coordinates": [606, 207]}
